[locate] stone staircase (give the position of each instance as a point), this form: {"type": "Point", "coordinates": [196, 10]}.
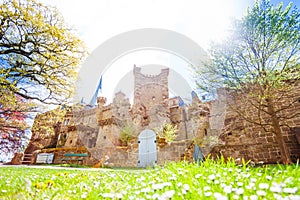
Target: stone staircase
{"type": "Point", "coordinates": [27, 159]}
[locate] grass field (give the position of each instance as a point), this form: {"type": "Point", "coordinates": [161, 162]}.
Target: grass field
{"type": "Point", "coordinates": [208, 180]}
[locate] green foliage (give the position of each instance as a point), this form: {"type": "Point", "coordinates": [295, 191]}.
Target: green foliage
{"type": "Point", "coordinates": [176, 180]}
{"type": "Point", "coordinates": [128, 132]}
{"type": "Point", "coordinates": [264, 48]}
{"type": "Point", "coordinates": [167, 131]}
{"type": "Point", "coordinates": [39, 54]}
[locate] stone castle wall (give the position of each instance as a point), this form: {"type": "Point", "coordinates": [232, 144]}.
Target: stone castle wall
{"type": "Point", "coordinates": [242, 139]}
{"type": "Point", "coordinates": [120, 156]}
{"type": "Point", "coordinates": [45, 130]}
{"type": "Point", "coordinates": [99, 128]}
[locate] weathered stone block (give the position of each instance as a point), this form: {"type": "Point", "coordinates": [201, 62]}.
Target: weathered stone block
{"type": "Point", "coordinates": [261, 140]}
{"type": "Point", "coordinates": [270, 139]}
{"type": "Point", "coordinates": [17, 159]}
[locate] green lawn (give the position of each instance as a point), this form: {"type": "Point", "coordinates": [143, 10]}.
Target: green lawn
{"type": "Point", "coordinates": [209, 180]}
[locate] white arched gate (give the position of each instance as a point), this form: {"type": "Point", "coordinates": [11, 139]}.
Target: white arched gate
{"type": "Point", "coordinates": [147, 148]}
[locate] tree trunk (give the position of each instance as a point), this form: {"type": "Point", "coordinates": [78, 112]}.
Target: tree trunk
{"type": "Point", "coordinates": [285, 156]}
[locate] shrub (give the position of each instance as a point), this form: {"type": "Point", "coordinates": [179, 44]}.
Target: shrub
{"type": "Point", "coordinates": [167, 131]}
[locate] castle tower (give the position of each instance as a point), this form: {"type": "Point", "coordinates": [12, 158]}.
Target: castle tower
{"type": "Point", "coordinates": [151, 90]}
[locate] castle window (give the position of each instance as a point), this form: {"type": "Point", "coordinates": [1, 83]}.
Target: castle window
{"type": "Point", "coordinates": [153, 98]}
{"type": "Point", "coordinates": [205, 132]}
{"type": "Point", "coordinates": [104, 137]}
{"type": "Point", "coordinates": [66, 122]}
{"type": "Point", "coordinates": [90, 143]}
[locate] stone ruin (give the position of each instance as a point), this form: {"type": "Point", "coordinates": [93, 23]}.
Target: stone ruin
{"type": "Point", "coordinates": [211, 125]}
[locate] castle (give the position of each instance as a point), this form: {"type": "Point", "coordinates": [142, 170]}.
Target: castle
{"type": "Point", "coordinates": [151, 108]}
{"type": "Point", "coordinates": [121, 134]}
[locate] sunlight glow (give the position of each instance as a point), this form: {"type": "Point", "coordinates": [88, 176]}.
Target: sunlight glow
{"type": "Point", "coordinates": [200, 20]}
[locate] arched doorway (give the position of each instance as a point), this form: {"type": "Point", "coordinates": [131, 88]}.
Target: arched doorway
{"type": "Point", "coordinates": [147, 149]}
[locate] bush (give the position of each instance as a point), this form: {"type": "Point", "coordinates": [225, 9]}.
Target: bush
{"type": "Point", "coordinates": [128, 132]}
{"type": "Point", "coordinates": [167, 131]}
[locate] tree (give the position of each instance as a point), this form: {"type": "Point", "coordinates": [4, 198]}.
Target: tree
{"type": "Point", "coordinates": [13, 122]}
{"type": "Point", "coordinates": [12, 127]}
{"type": "Point", "coordinates": [39, 54]}
{"type": "Point", "coordinates": [39, 59]}
{"type": "Point", "coordinates": [260, 62]}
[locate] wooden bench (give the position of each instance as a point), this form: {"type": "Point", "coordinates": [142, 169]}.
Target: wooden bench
{"type": "Point", "coordinates": [68, 157]}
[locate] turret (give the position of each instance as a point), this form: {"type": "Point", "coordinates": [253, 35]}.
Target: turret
{"type": "Point", "coordinates": [101, 101]}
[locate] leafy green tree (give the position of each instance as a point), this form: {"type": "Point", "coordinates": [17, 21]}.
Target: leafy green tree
{"type": "Point", "coordinates": [39, 58]}
{"type": "Point", "coordinates": [39, 54]}
{"type": "Point", "coordinates": [259, 65]}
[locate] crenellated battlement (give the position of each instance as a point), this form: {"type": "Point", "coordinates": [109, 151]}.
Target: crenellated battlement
{"type": "Point", "coordinates": [101, 101]}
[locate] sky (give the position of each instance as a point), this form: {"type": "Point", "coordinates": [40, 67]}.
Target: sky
{"type": "Point", "coordinates": [99, 20]}
{"type": "Point", "coordinates": [203, 21]}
